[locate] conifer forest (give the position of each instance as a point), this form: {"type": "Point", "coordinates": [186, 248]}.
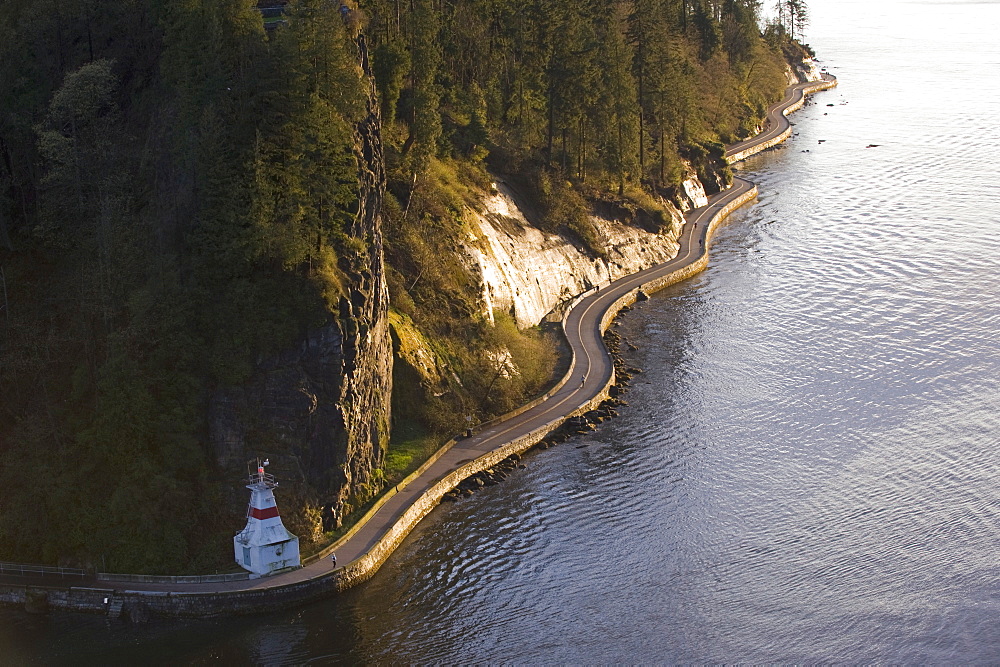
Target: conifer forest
{"type": "Point", "coordinates": [179, 195]}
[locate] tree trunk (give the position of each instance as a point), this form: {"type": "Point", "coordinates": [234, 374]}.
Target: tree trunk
{"type": "Point", "coordinates": [548, 150]}
{"type": "Point", "coordinates": [564, 154]}
{"type": "Point", "coordinates": [641, 59]}
{"type": "Point", "coordinates": [6, 304]}
{"type": "Point", "coordinates": [621, 159]}
{"type": "Point", "coordinates": [663, 155]}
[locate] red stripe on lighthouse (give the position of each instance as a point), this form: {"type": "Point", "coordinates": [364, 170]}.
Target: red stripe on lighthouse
{"type": "Point", "coordinates": [266, 513]}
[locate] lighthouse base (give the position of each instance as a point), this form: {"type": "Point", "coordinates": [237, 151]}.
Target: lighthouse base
{"type": "Point", "coordinates": [266, 559]}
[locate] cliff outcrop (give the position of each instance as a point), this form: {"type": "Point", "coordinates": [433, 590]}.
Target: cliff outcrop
{"type": "Point", "coordinates": [321, 410]}
{"type": "Point", "coordinates": [805, 70]}
{"type": "Point", "coordinates": [529, 273]}
{"type": "Point", "coordinates": [520, 269]}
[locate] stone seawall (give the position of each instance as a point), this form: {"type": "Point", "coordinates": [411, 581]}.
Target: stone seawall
{"type": "Point", "coordinates": [701, 263]}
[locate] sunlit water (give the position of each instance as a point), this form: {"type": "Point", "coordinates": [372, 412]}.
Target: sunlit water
{"type": "Point", "coordinates": [808, 467]}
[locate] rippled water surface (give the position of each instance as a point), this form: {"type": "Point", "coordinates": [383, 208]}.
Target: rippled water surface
{"type": "Point", "coordinates": [808, 467]}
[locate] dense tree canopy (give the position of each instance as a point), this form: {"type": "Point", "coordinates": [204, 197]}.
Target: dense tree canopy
{"type": "Point", "coordinates": [612, 91]}
{"type": "Point", "coordinates": [572, 100]}
{"type": "Point", "coordinates": [174, 186]}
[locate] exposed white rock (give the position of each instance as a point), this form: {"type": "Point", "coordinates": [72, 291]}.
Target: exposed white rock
{"type": "Point", "coordinates": [503, 362]}
{"type": "Point", "coordinates": [807, 71]}
{"type": "Point", "coordinates": [694, 192]}
{"type": "Point", "coordinates": [528, 273]}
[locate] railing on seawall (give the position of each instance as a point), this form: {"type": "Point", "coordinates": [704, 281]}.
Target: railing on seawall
{"type": "Point", "coordinates": [29, 570]}
{"type": "Point", "coordinates": [172, 579]}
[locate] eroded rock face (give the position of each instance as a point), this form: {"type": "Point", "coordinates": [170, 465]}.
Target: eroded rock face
{"type": "Point", "coordinates": [807, 70]}
{"type": "Point", "coordinates": [528, 272]}
{"type": "Point", "coordinates": [692, 193]}
{"type": "Point", "coordinates": [320, 411]}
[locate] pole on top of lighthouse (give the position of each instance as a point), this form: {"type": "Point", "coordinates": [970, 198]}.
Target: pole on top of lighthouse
{"type": "Point", "coordinates": [259, 476]}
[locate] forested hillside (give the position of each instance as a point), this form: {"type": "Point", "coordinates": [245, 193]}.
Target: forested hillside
{"type": "Point", "coordinates": [577, 103]}
{"type": "Point", "coordinates": [181, 206]}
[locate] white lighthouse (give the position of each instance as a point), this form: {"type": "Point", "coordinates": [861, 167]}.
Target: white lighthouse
{"type": "Point", "coordinates": [265, 545]}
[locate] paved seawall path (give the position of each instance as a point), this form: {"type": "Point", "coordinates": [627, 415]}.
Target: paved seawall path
{"type": "Point", "coordinates": [370, 542]}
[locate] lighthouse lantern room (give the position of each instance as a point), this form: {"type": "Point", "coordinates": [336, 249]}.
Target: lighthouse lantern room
{"type": "Point", "coordinates": [265, 546]}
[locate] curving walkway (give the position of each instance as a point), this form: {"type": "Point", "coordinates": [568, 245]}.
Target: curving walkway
{"type": "Point", "coordinates": [585, 384]}
{"type": "Point", "coordinates": [777, 128]}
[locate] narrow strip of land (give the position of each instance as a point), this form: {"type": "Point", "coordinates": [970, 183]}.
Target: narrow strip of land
{"type": "Point", "coordinates": [588, 378]}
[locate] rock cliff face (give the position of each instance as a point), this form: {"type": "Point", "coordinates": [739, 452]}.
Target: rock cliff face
{"type": "Point", "coordinates": [528, 273]}
{"type": "Point", "coordinates": [807, 70]}
{"type": "Point", "coordinates": [320, 411]}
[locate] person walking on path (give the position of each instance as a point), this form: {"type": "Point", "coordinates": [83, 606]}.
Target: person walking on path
{"type": "Point", "coordinates": [333, 559]}
{"type": "Point", "coordinates": [583, 381]}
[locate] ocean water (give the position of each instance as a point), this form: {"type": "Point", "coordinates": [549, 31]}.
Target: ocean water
{"type": "Point", "coordinates": [808, 467]}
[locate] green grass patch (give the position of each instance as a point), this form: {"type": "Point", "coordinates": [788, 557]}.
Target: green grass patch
{"type": "Point", "coordinates": [411, 444]}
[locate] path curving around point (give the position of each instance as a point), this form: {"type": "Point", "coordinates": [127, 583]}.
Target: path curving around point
{"type": "Point", "coordinates": [591, 373]}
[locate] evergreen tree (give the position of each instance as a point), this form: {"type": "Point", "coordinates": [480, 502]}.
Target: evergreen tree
{"type": "Point", "coordinates": [425, 59]}
{"type": "Point", "coordinates": [573, 74]}
{"type": "Point", "coordinates": [793, 16]}
{"type": "Point", "coordinates": [620, 129]}
{"type": "Point", "coordinates": [391, 63]}
{"type": "Point", "coordinates": [707, 27]}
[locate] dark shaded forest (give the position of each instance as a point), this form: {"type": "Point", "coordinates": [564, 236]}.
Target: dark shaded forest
{"type": "Point", "coordinates": [176, 185]}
